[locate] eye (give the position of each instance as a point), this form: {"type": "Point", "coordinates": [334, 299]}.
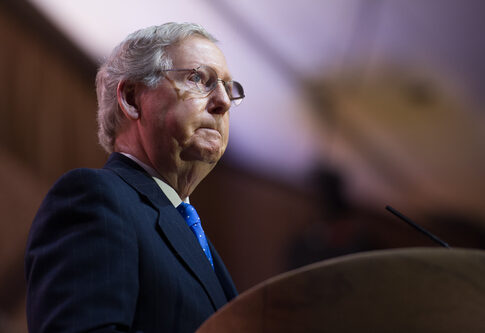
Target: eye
{"type": "Point", "coordinates": [195, 77]}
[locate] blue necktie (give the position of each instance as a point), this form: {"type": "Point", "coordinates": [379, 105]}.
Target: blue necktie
{"type": "Point", "coordinates": [193, 221]}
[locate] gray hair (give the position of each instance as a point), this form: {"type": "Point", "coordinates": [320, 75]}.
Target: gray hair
{"type": "Point", "coordinates": [138, 58]}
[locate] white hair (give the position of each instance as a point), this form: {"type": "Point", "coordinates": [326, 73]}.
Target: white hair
{"type": "Point", "coordinates": [138, 58]}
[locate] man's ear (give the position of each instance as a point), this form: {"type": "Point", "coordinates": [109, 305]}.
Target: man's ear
{"type": "Point", "coordinates": [126, 95]}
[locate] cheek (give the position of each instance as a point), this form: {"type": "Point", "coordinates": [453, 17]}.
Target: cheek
{"type": "Point", "coordinates": [226, 127]}
{"type": "Point", "coordinates": [181, 124]}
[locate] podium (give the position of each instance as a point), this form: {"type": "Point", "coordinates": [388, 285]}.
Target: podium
{"type": "Point", "coordinates": [404, 290]}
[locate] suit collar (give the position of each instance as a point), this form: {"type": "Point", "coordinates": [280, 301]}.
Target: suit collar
{"type": "Point", "coordinates": [169, 192]}
{"type": "Point", "coordinates": [171, 224]}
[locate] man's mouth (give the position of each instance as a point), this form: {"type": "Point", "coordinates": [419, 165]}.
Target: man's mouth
{"type": "Point", "coordinates": [209, 130]}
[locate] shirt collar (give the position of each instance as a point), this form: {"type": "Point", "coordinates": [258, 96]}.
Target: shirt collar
{"type": "Point", "coordinates": [168, 190]}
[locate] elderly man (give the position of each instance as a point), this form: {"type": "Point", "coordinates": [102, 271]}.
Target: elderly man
{"type": "Point", "coordinates": [120, 249]}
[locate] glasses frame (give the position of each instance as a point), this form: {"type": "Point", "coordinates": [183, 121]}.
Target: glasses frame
{"type": "Point", "coordinates": [235, 101]}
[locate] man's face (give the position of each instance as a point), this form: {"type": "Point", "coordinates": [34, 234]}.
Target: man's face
{"type": "Point", "coordinates": [175, 129]}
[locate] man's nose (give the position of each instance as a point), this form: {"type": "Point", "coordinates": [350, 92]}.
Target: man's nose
{"type": "Point", "coordinates": [220, 102]}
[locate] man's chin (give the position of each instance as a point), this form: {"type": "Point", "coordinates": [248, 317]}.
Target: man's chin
{"type": "Point", "coordinates": [210, 155]}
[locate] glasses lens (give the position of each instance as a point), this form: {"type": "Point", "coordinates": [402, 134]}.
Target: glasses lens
{"type": "Point", "coordinates": [203, 80]}
{"type": "Point", "coordinates": [200, 80]}
{"type": "Point", "coordinates": [235, 91]}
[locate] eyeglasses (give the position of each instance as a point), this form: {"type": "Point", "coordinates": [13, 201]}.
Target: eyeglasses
{"type": "Point", "coordinates": [202, 81]}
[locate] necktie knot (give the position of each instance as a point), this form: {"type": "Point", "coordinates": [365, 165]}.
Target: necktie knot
{"type": "Point", "coordinates": [189, 213]}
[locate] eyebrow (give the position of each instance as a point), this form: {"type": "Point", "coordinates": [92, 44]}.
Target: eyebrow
{"type": "Point", "coordinates": [227, 78]}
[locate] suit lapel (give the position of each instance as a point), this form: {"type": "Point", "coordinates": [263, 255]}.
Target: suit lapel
{"type": "Point", "coordinates": [172, 225]}
{"type": "Point", "coordinates": [223, 275]}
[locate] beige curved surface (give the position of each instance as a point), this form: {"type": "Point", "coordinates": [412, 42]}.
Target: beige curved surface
{"type": "Point", "coordinates": [405, 290]}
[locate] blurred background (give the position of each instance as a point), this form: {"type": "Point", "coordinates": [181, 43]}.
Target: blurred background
{"type": "Point", "coordinates": [351, 106]}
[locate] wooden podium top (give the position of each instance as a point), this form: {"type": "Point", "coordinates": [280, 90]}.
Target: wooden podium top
{"type": "Point", "coordinates": [405, 290]}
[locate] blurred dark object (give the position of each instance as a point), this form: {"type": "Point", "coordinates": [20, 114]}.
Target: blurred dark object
{"type": "Point", "coordinates": [334, 229]}
{"type": "Point", "coordinates": [340, 227]}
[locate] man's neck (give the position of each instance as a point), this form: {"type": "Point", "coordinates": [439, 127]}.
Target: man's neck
{"type": "Point", "coordinates": [185, 177]}
{"type": "Point", "coordinates": [182, 176]}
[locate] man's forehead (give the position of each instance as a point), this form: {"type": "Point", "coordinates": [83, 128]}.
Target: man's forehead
{"type": "Point", "coordinates": [196, 51]}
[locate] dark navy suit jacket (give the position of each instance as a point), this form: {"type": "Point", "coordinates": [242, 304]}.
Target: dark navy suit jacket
{"type": "Point", "coordinates": [108, 252]}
